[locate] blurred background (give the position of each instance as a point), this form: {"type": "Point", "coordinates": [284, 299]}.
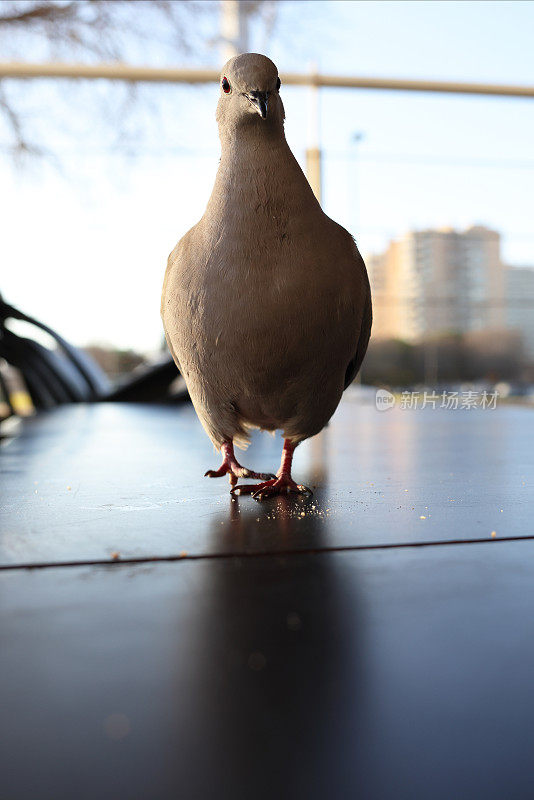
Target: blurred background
{"type": "Point", "coordinates": [100, 177]}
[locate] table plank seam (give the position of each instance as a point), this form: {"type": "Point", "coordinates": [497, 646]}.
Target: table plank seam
{"type": "Point", "coordinates": [109, 562]}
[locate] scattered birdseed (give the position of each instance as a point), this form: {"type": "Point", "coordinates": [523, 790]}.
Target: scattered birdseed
{"type": "Point", "coordinates": [115, 555]}
{"type": "Point", "coordinates": [422, 517]}
{"type": "Point", "coordinates": [69, 488]}
{"type": "Point", "coordinates": [493, 534]}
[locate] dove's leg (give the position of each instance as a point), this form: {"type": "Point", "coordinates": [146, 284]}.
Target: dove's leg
{"type": "Point", "coordinates": [231, 467]}
{"type": "Point", "coordinates": [283, 483]}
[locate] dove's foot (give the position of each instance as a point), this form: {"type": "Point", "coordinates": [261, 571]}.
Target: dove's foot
{"type": "Point", "coordinates": [231, 467]}
{"type": "Point", "coordinates": [282, 485]}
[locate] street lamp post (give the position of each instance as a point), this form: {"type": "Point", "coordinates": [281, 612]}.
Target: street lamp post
{"type": "Point", "coordinates": [313, 151]}
{"type": "Point", "coordinates": [356, 138]}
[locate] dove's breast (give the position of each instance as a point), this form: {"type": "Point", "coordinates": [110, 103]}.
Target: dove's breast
{"type": "Point", "coordinates": [262, 307]}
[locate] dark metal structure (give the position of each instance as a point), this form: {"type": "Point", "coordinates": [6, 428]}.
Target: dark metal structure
{"type": "Point", "coordinates": [67, 374]}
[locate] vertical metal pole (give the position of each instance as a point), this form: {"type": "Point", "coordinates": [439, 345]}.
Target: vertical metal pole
{"type": "Point", "coordinates": [234, 33]}
{"type": "Point", "coordinates": [313, 152]}
{"type": "Point", "coordinates": [430, 350]}
{"type": "Point", "coordinates": [355, 140]}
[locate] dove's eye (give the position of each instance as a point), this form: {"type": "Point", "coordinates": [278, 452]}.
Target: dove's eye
{"type": "Point", "coordinates": [225, 85]}
{"type": "Point", "coordinates": [278, 84]}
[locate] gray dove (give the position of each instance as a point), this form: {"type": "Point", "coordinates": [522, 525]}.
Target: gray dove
{"type": "Point", "coordinates": [266, 303]}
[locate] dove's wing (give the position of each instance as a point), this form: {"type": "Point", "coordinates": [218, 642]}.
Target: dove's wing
{"type": "Point", "coordinates": [363, 340]}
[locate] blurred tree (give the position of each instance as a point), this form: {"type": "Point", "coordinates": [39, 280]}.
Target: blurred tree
{"type": "Point", "coordinates": [389, 361]}
{"type": "Point", "coordinates": [497, 355]}
{"type": "Point", "coordinates": [490, 355]}
{"type": "Point", "coordinates": [89, 29]}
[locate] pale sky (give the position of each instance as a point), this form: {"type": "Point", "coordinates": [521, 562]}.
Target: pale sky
{"type": "Point", "coordinates": [84, 247]}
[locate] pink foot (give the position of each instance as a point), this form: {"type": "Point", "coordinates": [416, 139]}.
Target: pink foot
{"type": "Point", "coordinates": [284, 484]}
{"type": "Point", "coordinates": [231, 467]}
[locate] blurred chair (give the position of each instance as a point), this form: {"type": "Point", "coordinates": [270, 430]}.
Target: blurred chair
{"type": "Point", "coordinates": [68, 375]}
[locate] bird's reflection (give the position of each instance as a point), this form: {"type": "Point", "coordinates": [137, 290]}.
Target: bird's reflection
{"type": "Point", "coordinates": [272, 654]}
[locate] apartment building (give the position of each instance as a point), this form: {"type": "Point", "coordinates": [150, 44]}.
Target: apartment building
{"type": "Point", "coordinates": [439, 281]}
{"type": "Point", "coordinates": [520, 304]}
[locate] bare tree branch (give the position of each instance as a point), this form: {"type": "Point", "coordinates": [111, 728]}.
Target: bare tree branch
{"type": "Point", "coordinates": [96, 30]}
{"type": "Point", "coordinates": [39, 13]}
{"type": "Point", "coordinates": [93, 29]}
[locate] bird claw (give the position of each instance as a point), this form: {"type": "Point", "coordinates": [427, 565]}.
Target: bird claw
{"type": "Point", "coordinates": [215, 473]}
{"type": "Point", "coordinates": [236, 471]}
{"type": "Point", "coordinates": [272, 488]}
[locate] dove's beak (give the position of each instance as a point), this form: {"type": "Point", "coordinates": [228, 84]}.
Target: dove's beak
{"type": "Point", "coordinates": [259, 100]}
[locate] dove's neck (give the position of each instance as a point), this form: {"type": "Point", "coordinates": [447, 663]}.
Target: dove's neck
{"type": "Point", "coordinates": [258, 175]}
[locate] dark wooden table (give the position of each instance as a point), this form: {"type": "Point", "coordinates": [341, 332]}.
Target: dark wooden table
{"type": "Point", "coordinates": [373, 641]}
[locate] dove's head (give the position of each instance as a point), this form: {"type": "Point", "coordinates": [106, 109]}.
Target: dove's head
{"type": "Point", "coordinates": [250, 99]}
